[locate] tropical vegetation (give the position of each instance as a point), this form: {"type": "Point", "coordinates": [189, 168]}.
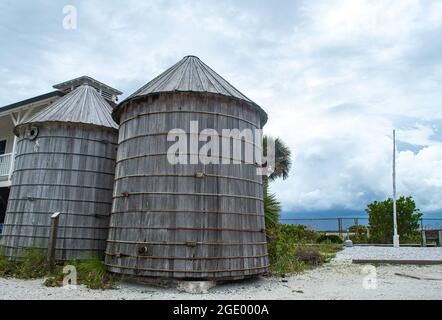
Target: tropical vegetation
{"type": "Point", "coordinates": [380, 220]}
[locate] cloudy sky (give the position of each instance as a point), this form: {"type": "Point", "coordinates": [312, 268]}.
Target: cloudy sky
{"type": "Point", "coordinates": [334, 76]}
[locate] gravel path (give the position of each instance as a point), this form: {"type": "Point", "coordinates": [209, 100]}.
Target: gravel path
{"type": "Point", "coordinates": [336, 280]}
{"type": "Point", "coordinates": [403, 253]}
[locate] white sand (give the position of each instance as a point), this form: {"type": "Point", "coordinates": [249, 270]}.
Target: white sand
{"type": "Point", "coordinates": [337, 280]}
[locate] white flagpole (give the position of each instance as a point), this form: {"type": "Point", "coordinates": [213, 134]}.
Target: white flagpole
{"type": "Point", "coordinates": [395, 236]}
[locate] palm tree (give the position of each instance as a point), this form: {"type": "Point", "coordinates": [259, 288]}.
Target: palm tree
{"type": "Point", "coordinates": [283, 163]}
{"type": "Point", "coordinates": [272, 207]}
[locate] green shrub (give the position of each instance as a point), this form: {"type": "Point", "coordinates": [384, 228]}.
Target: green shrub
{"type": "Point", "coordinates": [323, 238]}
{"type": "Point", "coordinates": [288, 257]}
{"type": "Point", "coordinates": [283, 242]}
{"type": "Point", "coordinates": [282, 247]}
{"type": "Point", "coordinates": [272, 208]}
{"type": "Point", "coordinates": [32, 264]}
{"type": "Point", "coordinates": [293, 233]}
{"type": "Point", "coordinates": [282, 256]}
{"type": "Point", "coordinates": [91, 273]}
{"type": "Point", "coordinates": [7, 267]}
{"type": "Point", "coordinates": [360, 238]}
{"type": "Point", "coordinates": [360, 234]}
{"type": "Point", "coordinates": [285, 264]}
{"type": "Point", "coordinates": [358, 229]}
{"type": "Point", "coordinates": [380, 216]}
{"type": "Point", "coordinates": [412, 238]}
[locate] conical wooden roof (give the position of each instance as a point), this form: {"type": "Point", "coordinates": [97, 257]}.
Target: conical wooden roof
{"type": "Point", "coordinates": [83, 105]}
{"type": "Point", "coordinates": [190, 75]}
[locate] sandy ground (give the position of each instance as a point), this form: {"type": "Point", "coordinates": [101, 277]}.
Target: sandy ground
{"type": "Point", "coordinates": [334, 281]}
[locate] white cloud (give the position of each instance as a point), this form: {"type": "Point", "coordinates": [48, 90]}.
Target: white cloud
{"type": "Point", "coordinates": [335, 77]}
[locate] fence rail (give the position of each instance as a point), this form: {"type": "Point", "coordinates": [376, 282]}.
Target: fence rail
{"type": "Point", "coordinates": [341, 225]}
{"type": "Point", "coordinates": [5, 164]}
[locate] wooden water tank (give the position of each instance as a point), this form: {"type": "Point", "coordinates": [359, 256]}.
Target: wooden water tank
{"type": "Point", "coordinates": [185, 221]}
{"type": "Point", "coordinates": [65, 163]}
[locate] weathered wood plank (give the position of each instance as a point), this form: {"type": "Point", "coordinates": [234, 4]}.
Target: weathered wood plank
{"type": "Point", "coordinates": [69, 170]}
{"type": "Point", "coordinates": [397, 261]}
{"type": "Point", "coordinates": [166, 220]}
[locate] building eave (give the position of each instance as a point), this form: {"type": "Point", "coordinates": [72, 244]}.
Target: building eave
{"type": "Point", "coordinates": [17, 105]}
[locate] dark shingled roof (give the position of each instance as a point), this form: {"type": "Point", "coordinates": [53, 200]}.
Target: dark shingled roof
{"type": "Point", "coordinates": [32, 100]}
{"type": "Point", "coordinates": [83, 105]}
{"type": "Point", "coordinates": [190, 75]}
{"type": "Point", "coordinates": [86, 80]}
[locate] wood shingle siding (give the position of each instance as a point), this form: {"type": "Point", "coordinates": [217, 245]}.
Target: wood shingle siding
{"type": "Point", "coordinates": [167, 220]}
{"type": "Point", "coordinates": [68, 166]}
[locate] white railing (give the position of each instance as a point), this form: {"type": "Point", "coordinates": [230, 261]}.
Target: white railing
{"type": "Point", "coordinates": [5, 164]}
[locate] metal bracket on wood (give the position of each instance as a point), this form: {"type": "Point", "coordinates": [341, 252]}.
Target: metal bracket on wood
{"type": "Point", "coordinates": [121, 255]}
{"type": "Point", "coordinates": [200, 175]}
{"type": "Point", "coordinates": [52, 241]}
{"type": "Point", "coordinates": [125, 194]}
{"type": "Point", "coordinates": [191, 244]}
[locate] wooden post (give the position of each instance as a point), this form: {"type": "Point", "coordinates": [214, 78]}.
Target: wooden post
{"type": "Point", "coordinates": [439, 242]}
{"type": "Point", "coordinates": [340, 226]}
{"type": "Point", "coordinates": [424, 239]}
{"type": "Point", "coordinates": [11, 168]}
{"type": "Point", "coordinates": [52, 241]}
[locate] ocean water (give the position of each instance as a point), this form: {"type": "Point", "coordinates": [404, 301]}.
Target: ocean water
{"type": "Point", "coordinates": [328, 221]}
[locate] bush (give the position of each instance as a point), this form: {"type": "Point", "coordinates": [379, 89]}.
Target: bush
{"type": "Point", "coordinates": [32, 264]}
{"type": "Point", "coordinates": [7, 267]}
{"type": "Point", "coordinates": [358, 229]}
{"type": "Point", "coordinates": [360, 234]}
{"type": "Point", "coordinates": [283, 264]}
{"type": "Point", "coordinates": [323, 238]}
{"type": "Point", "coordinates": [91, 273]}
{"type": "Point", "coordinates": [381, 220]}
{"type": "Point", "coordinates": [293, 233]}
{"type": "Point", "coordinates": [284, 244]}
{"type": "Point", "coordinates": [272, 208]}
{"type": "Point", "coordinates": [282, 256]}
{"type": "Point", "coordinates": [360, 238]}
{"type": "Point", "coordinates": [310, 256]}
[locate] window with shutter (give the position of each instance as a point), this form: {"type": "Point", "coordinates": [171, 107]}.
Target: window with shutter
{"type": "Point", "coordinates": [2, 146]}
